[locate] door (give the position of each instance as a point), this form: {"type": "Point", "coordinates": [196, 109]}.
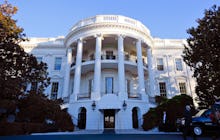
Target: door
{"type": "Point", "coordinates": [109, 118]}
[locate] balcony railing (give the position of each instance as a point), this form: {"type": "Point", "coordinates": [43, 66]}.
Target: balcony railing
{"type": "Point", "coordinates": [134, 95]}
{"type": "Point", "coordinates": [130, 58]}
{"type": "Point", "coordinates": [81, 96]}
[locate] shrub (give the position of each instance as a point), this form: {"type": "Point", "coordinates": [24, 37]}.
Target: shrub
{"type": "Point", "coordinates": [174, 109]}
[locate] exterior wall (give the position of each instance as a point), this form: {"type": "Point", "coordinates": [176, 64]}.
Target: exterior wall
{"type": "Point", "coordinates": [95, 36]}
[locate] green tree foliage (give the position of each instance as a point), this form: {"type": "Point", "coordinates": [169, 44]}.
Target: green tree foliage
{"type": "Point", "coordinates": [17, 69]}
{"type": "Point", "coordinates": [174, 109]}
{"type": "Point", "coordinates": [202, 54]}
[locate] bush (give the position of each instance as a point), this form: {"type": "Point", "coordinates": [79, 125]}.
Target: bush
{"type": "Point", "coordinates": [174, 109]}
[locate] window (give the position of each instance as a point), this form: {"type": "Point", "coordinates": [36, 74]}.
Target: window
{"type": "Point", "coordinates": [163, 91]}
{"type": "Point", "coordinates": [128, 88]}
{"type": "Point", "coordinates": [160, 64]}
{"type": "Point", "coordinates": [39, 59]}
{"type": "Point", "coordinates": [110, 55]}
{"type": "Point", "coordinates": [109, 85]}
{"type": "Point", "coordinates": [34, 86]}
{"type": "Point", "coordinates": [90, 86]}
{"type": "Point", "coordinates": [58, 62]}
{"type": "Point", "coordinates": [54, 90]}
{"type": "Point", "coordinates": [179, 66]}
{"type": "Point", "coordinates": [182, 86]}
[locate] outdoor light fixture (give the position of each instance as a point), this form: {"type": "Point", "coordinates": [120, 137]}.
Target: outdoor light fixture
{"type": "Point", "coordinates": [124, 105]}
{"type": "Point", "coordinates": [93, 105]}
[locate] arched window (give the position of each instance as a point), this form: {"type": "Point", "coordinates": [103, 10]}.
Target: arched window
{"type": "Point", "coordinates": [82, 118]}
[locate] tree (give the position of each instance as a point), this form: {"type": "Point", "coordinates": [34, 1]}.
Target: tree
{"type": "Point", "coordinates": [202, 54]}
{"type": "Point", "coordinates": [18, 69]}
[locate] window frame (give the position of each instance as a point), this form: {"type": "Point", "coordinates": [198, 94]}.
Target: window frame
{"type": "Point", "coordinates": [160, 67]}
{"type": "Point", "coordinates": [163, 89]}
{"type": "Point", "coordinates": [57, 66]}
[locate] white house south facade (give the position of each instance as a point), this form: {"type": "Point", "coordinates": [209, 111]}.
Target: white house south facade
{"type": "Point", "coordinates": [108, 69]}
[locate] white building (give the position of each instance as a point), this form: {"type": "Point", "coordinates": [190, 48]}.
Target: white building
{"type": "Point", "coordinates": [108, 68]}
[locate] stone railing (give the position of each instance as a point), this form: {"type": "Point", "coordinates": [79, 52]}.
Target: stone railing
{"type": "Point", "coordinates": [111, 19]}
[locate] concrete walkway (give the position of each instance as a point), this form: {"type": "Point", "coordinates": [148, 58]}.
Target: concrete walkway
{"type": "Point", "coordinates": [127, 131]}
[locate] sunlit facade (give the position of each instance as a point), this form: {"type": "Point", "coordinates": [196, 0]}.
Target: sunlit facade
{"type": "Point", "coordinates": [108, 69]}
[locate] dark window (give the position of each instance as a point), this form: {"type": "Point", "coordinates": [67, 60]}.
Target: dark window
{"type": "Point", "coordinates": [162, 86]}
{"type": "Point", "coordinates": [54, 90]}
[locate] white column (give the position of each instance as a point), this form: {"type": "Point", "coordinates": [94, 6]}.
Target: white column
{"type": "Point", "coordinates": [67, 73]}
{"type": "Point", "coordinates": [77, 75]}
{"type": "Point", "coordinates": [150, 72]}
{"type": "Point", "coordinates": [141, 84]}
{"type": "Point", "coordinates": [97, 70]}
{"type": "Point", "coordinates": [121, 68]}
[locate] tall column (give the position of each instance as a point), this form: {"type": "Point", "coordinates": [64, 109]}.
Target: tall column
{"type": "Point", "coordinates": [97, 70]}
{"type": "Point", "coordinates": [141, 87]}
{"type": "Point", "coordinates": [121, 68]}
{"type": "Point", "coordinates": [150, 71]}
{"type": "Point", "coordinates": [77, 76]}
{"type": "Point", "coordinates": [67, 73]}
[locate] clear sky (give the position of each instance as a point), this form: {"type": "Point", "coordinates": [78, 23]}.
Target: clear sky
{"type": "Point", "coordinates": [164, 18]}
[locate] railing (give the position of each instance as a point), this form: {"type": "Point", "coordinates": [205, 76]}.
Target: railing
{"type": "Point", "coordinates": [111, 19]}
{"type": "Point", "coordinates": [105, 93]}
{"type": "Point", "coordinates": [130, 58]}
{"type": "Point", "coordinates": [108, 57]}
{"type": "Point", "coordinates": [134, 95]}
{"type": "Point", "coordinates": [81, 96]}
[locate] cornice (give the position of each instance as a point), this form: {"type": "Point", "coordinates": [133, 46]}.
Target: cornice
{"type": "Point", "coordinates": [94, 26]}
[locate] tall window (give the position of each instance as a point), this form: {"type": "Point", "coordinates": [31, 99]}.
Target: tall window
{"type": "Point", "coordinates": [128, 88]}
{"type": "Point", "coordinates": [109, 84]}
{"type": "Point", "coordinates": [163, 91]}
{"type": "Point", "coordinates": [179, 66]}
{"type": "Point", "coordinates": [90, 85]}
{"type": "Point", "coordinates": [58, 62]}
{"type": "Point", "coordinates": [160, 64]}
{"type": "Point", "coordinates": [54, 90]}
{"type": "Point", "coordinates": [182, 86]}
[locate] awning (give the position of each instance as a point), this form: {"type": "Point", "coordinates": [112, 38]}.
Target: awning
{"type": "Point", "coordinates": [109, 101]}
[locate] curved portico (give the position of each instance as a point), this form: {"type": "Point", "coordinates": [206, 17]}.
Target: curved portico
{"type": "Point", "coordinates": [110, 55]}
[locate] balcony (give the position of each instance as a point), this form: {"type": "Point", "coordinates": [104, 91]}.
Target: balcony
{"type": "Point", "coordinates": [81, 96]}
{"type": "Point", "coordinates": [136, 96]}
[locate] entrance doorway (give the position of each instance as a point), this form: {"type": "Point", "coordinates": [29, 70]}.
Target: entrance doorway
{"type": "Point", "coordinates": [82, 118]}
{"type": "Point", "coordinates": [109, 118]}
{"type": "Point", "coordinates": [135, 117]}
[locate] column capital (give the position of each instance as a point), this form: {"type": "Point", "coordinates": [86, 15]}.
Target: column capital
{"type": "Point", "coordinates": [121, 35]}
{"type": "Point", "coordinates": [80, 40]}
{"type": "Point", "coordinates": [99, 35]}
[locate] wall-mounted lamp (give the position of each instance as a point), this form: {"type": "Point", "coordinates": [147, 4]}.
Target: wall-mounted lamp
{"type": "Point", "coordinates": [93, 105]}
{"type": "Point", "coordinates": [124, 105]}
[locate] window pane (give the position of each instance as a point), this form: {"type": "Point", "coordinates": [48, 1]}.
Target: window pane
{"type": "Point", "coordinates": [179, 66]}
{"type": "Point", "coordinates": [109, 84]}
{"type": "Point", "coordinates": [160, 64]}
{"type": "Point", "coordinates": [58, 62]}
{"type": "Point", "coordinates": [163, 91]}
{"type": "Point", "coordinates": [54, 90]}
{"type": "Point", "coordinates": [182, 87]}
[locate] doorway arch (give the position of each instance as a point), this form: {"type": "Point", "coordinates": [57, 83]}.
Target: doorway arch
{"type": "Point", "coordinates": [82, 118]}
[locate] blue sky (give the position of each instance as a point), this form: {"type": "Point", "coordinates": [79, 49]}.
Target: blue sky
{"type": "Point", "coordinates": [164, 18]}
